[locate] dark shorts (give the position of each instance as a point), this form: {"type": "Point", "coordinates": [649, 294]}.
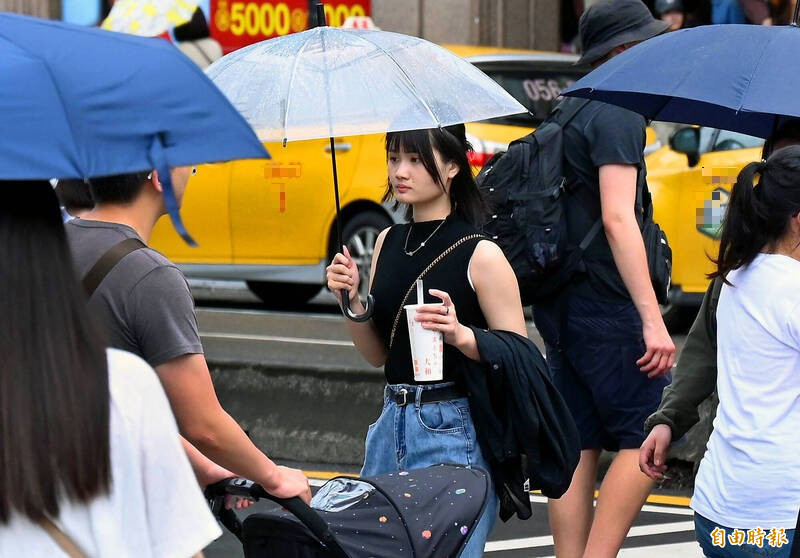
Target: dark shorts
{"type": "Point", "coordinates": [594, 367]}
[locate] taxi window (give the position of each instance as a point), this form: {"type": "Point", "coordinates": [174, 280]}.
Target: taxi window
{"type": "Point", "coordinates": [727, 140]}
{"type": "Point", "coordinates": [534, 88]}
{"type": "Point", "coordinates": [713, 139]}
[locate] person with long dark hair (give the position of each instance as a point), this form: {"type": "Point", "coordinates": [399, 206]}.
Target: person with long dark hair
{"type": "Point", "coordinates": [748, 477]}
{"type": "Point", "coordinates": [748, 480]}
{"type": "Point", "coordinates": [89, 450]}
{"type": "Point", "coordinates": [695, 375]}
{"type": "Point", "coordinates": [425, 423]}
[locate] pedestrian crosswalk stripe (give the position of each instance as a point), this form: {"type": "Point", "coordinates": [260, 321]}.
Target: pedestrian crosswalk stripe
{"type": "Point", "coordinates": [547, 540]}
{"type": "Point", "coordinates": [536, 496]}
{"type": "Point", "coordinates": [671, 510]}
{"type": "Point", "coordinates": [678, 506]}
{"type": "Point", "coordinates": [674, 550]}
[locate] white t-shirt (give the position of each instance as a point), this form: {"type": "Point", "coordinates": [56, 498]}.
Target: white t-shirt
{"type": "Point", "coordinates": [750, 474]}
{"type": "Point", "coordinates": [155, 507]}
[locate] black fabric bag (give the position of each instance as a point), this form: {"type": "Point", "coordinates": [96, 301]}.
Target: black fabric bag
{"type": "Point", "coordinates": [659, 253]}
{"type": "Point", "coordinates": [525, 189]}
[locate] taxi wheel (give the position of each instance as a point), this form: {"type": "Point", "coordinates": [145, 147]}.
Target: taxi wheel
{"type": "Point", "coordinates": [360, 233]}
{"type": "Point", "coordinates": [283, 295]}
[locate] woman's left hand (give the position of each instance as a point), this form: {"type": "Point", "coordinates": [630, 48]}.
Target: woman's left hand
{"type": "Point", "coordinates": [441, 317]}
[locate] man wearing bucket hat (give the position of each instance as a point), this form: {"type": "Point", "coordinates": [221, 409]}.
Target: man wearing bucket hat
{"type": "Point", "coordinates": [607, 345]}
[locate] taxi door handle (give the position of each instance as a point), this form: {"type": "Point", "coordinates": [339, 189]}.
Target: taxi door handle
{"type": "Point", "coordinates": [339, 147]}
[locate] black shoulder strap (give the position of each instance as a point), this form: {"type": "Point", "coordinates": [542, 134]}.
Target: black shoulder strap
{"type": "Point", "coordinates": [566, 110]}
{"type": "Point", "coordinates": [107, 262]}
{"type": "Point", "coordinates": [711, 310]}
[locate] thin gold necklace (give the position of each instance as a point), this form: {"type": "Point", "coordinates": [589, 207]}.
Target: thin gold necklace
{"type": "Point", "coordinates": [421, 244]}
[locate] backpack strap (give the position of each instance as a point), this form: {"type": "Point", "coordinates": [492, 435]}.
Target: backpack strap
{"type": "Point", "coordinates": [107, 262]}
{"type": "Point", "coordinates": [563, 114]}
{"type": "Point", "coordinates": [566, 110]}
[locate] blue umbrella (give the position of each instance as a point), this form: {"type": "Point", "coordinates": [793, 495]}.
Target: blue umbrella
{"type": "Point", "coordinates": [736, 77]}
{"type": "Point", "coordinates": [80, 102]}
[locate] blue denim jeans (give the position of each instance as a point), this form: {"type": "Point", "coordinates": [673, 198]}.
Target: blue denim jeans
{"type": "Point", "coordinates": [706, 530]}
{"type": "Point", "coordinates": [416, 436]}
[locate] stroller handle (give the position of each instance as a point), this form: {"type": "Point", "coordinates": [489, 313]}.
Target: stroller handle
{"type": "Point", "coordinates": [237, 486]}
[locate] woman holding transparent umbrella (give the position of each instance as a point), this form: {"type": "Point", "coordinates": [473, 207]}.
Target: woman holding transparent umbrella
{"type": "Point", "coordinates": [423, 424]}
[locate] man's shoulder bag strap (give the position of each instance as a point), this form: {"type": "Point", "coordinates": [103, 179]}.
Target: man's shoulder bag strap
{"type": "Point", "coordinates": [107, 261]}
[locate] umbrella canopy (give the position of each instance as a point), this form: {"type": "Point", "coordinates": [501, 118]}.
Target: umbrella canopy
{"type": "Point", "coordinates": [148, 18]}
{"type": "Point", "coordinates": [78, 102]}
{"type": "Point", "coordinates": [735, 77]}
{"type": "Point", "coordinates": [329, 81]}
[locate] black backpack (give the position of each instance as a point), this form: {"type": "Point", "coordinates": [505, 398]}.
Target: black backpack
{"type": "Point", "coordinates": [525, 189]}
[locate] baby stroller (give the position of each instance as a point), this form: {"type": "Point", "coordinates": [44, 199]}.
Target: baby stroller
{"type": "Point", "coordinates": [424, 513]}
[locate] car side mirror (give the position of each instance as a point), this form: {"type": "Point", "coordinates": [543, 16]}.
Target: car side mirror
{"type": "Point", "coordinates": [687, 141]}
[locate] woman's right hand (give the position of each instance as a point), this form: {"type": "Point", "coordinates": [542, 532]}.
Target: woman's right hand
{"type": "Point", "coordinates": [653, 453]}
{"type": "Point", "coordinates": [290, 483]}
{"type": "Point", "coordinates": [343, 275]}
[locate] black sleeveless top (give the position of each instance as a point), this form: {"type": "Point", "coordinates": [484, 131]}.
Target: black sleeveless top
{"type": "Point", "coordinates": [396, 272]}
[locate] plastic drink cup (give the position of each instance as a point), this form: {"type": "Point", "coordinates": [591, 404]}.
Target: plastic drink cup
{"type": "Point", "coordinates": [427, 348]}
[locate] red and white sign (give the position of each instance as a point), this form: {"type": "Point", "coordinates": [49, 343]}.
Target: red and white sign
{"type": "Point", "coordinates": [238, 23]}
{"type": "Point", "coordinates": [359, 22]}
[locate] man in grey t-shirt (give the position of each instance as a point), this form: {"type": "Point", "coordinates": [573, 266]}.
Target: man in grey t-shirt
{"type": "Point", "coordinates": [146, 307]}
{"type": "Point", "coordinates": [155, 318]}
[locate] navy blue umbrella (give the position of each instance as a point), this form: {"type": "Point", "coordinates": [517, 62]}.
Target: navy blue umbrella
{"type": "Point", "coordinates": [736, 77]}
{"type": "Point", "coordinates": [80, 102]}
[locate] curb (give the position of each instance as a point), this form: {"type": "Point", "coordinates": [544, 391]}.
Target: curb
{"type": "Point", "coordinates": [296, 414]}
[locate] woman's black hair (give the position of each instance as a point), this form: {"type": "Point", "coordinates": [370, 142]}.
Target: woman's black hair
{"type": "Point", "coordinates": [758, 217]}
{"type": "Point", "coordinates": [54, 398]}
{"type": "Point", "coordinates": [452, 145]}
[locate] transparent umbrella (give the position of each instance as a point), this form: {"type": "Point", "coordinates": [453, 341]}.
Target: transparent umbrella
{"type": "Point", "coordinates": [328, 82]}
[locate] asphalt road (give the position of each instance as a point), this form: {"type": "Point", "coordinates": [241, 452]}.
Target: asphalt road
{"type": "Point", "coordinates": [235, 325]}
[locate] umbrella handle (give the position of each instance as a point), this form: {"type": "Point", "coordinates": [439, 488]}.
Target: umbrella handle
{"type": "Point", "coordinates": [350, 315]}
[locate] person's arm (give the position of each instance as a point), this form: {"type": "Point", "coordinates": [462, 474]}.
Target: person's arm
{"type": "Point", "coordinates": [167, 334]}
{"type": "Point", "coordinates": [343, 275]}
{"type": "Point", "coordinates": [617, 202]}
{"type": "Point", "coordinates": [693, 380]}
{"type": "Point", "coordinates": [207, 426]}
{"type": "Point", "coordinates": [695, 377]}
{"type": "Point", "coordinates": [208, 472]}
{"type": "Point", "coordinates": [498, 295]}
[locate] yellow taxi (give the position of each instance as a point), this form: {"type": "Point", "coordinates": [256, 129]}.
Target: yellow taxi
{"type": "Point", "coordinates": [272, 222]}
{"type": "Point", "coordinates": [691, 180]}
